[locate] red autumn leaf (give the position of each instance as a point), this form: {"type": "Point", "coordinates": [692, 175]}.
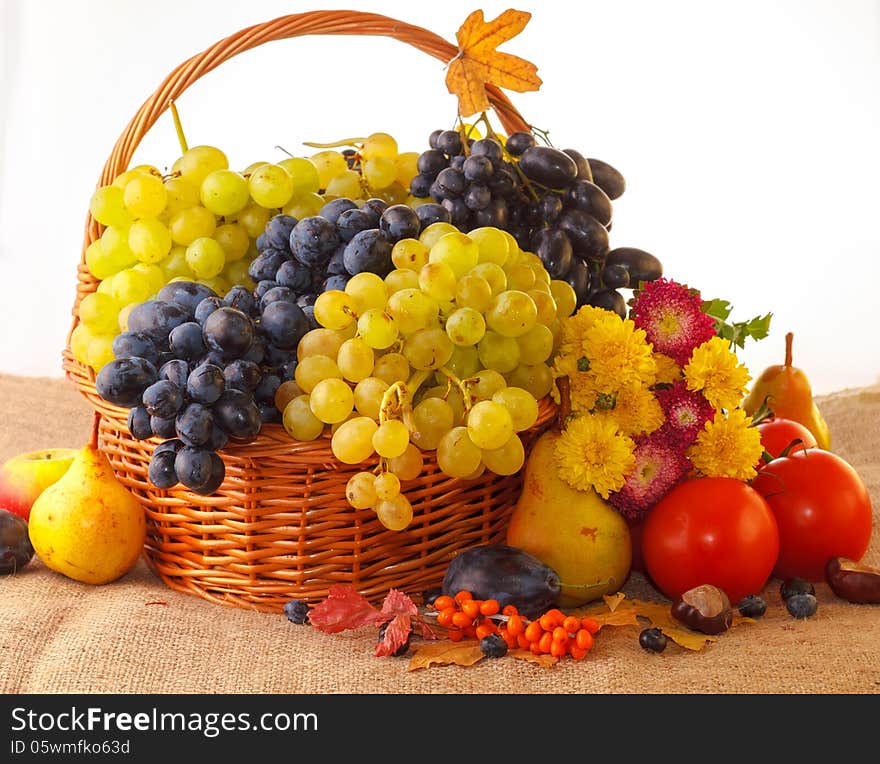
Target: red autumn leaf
{"type": "Point", "coordinates": [396, 634]}
{"type": "Point", "coordinates": [344, 608]}
{"type": "Point", "coordinates": [398, 603]}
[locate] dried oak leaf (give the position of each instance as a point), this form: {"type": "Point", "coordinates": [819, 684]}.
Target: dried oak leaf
{"type": "Point", "coordinates": [446, 652]}
{"type": "Point", "coordinates": [344, 608]}
{"type": "Point", "coordinates": [547, 661]}
{"type": "Point", "coordinates": [478, 62]}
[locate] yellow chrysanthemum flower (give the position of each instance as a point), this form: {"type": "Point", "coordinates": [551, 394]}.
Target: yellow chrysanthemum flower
{"type": "Point", "coordinates": [619, 355]}
{"type": "Point", "coordinates": [634, 409]}
{"type": "Point", "coordinates": [715, 371]}
{"type": "Point", "coordinates": [668, 371]}
{"type": "Point", "coordinates": [727, 447]}
{"type": "Point", "coordinates": [575, 327]}
{"type": "Point", "coordinates": [592, 455]}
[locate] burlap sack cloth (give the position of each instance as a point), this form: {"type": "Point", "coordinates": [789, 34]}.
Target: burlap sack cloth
{"type": "Point", "coordinates": [57, 635]}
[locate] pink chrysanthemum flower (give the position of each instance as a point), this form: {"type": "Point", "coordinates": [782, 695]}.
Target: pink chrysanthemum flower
{"type": "Point", "coordinates": [685, 412]}
{"type": "Point", "coordinates": [659, 465]}
{"type": "Point", "coordinates": [672, 318]}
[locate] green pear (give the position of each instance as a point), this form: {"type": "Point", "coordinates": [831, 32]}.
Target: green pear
{"type": "Point", "coordinates": [87, 525]}
{"type": "Point", "coordinates": [578, 534]}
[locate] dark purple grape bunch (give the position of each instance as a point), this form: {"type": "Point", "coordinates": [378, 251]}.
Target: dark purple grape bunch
{"type": "Point", "coordinates": [324, 251]}
{"type": "Point", "coordinates": [197, 371]}
{"type": "Point", "coordinates": [555, 203]}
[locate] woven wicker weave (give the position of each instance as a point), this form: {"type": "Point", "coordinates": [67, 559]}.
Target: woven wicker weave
{"type": "Point", "coordinates": [280, 526]}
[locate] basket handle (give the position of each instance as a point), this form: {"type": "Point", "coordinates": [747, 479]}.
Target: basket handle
{"type": "Point", "coordinates": [294, 25]}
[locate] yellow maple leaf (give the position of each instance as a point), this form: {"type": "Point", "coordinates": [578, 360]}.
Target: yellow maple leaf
{"type": "Point", "coordinates": [478, 62]}
{"type": "Point", "coordinates": [445, 652]}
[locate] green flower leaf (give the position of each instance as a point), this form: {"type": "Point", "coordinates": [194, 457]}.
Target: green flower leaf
{"type": "Point", "coordinates": [736, 331]}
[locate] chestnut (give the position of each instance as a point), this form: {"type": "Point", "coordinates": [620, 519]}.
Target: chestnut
{"type": "Point", "coordinates": [705, 608]}
{"type": "Point", "coordinates": [853, 581]}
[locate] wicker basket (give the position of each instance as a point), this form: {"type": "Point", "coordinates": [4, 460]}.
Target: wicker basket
{"type": "Point", "coordinates": [280, 526]}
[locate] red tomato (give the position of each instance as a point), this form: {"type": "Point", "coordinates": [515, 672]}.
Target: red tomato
{"type": "Point", "coordinates": [822, 508]}
{"type": "Point", "coordinates": [777, 434]}
{"type": "Point", "coordinates": [711, 530]}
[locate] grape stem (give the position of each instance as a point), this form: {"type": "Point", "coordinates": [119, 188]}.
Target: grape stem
{"type": "Point", "coordinates": [463, 387]}
{"type": "Point", "coordinates": [356, 142]}
{"type": "Point", "coordinates": [181, 137]}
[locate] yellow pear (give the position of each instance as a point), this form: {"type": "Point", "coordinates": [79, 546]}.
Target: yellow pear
{"type": "Point", "coordinates": [789, 395]}
{"type": "Point", "coordinates": [578, 534]}
{"type": "Point", "coordinates": [87, 525]}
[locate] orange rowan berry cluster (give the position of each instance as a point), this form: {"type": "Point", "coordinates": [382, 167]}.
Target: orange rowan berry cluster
{"type": "Point", "coordinates": [553, 633]}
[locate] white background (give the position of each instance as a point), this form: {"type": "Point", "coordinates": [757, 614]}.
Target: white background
{"type": "Point", "coordinates": [747, 133]}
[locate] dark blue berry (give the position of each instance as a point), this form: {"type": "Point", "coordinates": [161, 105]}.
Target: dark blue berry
{"type": "Point", "coordinates": [801, 605]}
{"type": "Point", "coordinates": [493, 646]}
{"type": "Point", "coordinates": [653, 640]}
{"type": "Point", "coordinates": [297, 611]}
{"type": "Point", "coordinates": [793, 586]}
{"type": "Point", "coordinates": [752, 606]}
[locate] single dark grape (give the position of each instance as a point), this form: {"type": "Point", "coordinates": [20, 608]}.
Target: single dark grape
{"type": "Point", "coordinates": [478, 169]}
{"type": "Point", "coordinates": [217, 475]}
{"type": "Point", "coordinates": [229, 332]}
{"type": "Point", "coordinates": [333, 209]}
{"type": "Point", "coordinates": [493, 646]}
{"type": "Point", "coordinates": [431, 213]}
{"type": "Point", "coordinates": [241, 298]}
{"type": "Point", "coordinates": [615, 276]}
{"type": "Point", "coordinates": [128, 344]}
{"type": "Point", "coordinates": [241, 375]}
{"type": "Point", "coordinates": [792, 586]}
{"type": "Point", "coordinates": [205, 383]}
{"type": "Point", "coordinates": [583, 166]}
{"type": "Point", "coordinates": [549, 206]}
{"type": "Point", "coordinates": [400, 221]}
{"type": "Point", "coordinates": [477, 197]}
{"type": "Point", "coordinates": [451, 183]}
{"type": "Point", "coordinates": [139, 423]}
{"type": "Point", "coordinates": [164, 428]}
{"type": "Point", "coordinates": [449, 142]}
{"type": "Point", "coordinates": [553, 247]}
{"type": "Point", "coordinates": [458, 211]}
{"type": "Point", "coordinates": [578, 277]}
{"type": "Point", "coordinates": [122, 381]}
{"type": "Point", "coordinates": [352, 222]}
{"type": "Point", "coordinates": [297, 611]}
{"type": "Point", "coordinates": [607, 178]}
{"type": "Point", "coordinates": [752, 606]}
{"type": "Point", "coordinates": [336, 282]}
{"type": "Point", "coordinates": [653, 640]}
{"type": "Point", "coordinates": [237, 414]}
{"type": "Point", "coordinates": [503, 183]}
{"type": "Point", "coordinates": [313, 240]}
{"type": "Point", "coordinates": [369, 251]}
{"type": "Point", "coordinates": [163, 399]}
{"type": "Point", "coordinates": [161, 472]}
{"type": "Point", "coordinates": [518, 142]}
{"type": "Point", "coordinates": [265, 265]}
{"type": "Point", "coordinates": [548, 166]}
{"type": "Point", "coordinates": [277, 233]}
{"type": "Point", "coordinates": [284, 323]}
{"type": "Point", "coordinates": [375, 207]}
{"type": "Point", "coordinates": [172, 444]}
{"type": "Point", "coordinates": [194, 467]}
{"type": "Point", "coordinates": [156, 318]}
{"type": "Point", "coordinates": [489, 148]}
{"type": "Point", "coordinates": [609, 299]}
{"type": "Point", "coordinates": [194, 424]}
{"type": "Point", "coordinates": [420, 185]}
{"type": "Point", "coordinates": [494, 215]}
{"type": "Point", "coordinates": [589, 198]}
{"type": "Point", "coordinates": [206, 307]}
{"type": "Point", "coordinates": [277, 293]}
{"type": "Point", "coordinates": [186, 341]}
{"type": "Point", "coordinates": [801, 605]}
{"type": "Point", "coordinates": [588, 236]}
{"type": "Point", "coordinates": [431, 162]}
{"type": "Point", "coordinates": [186, 294]}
